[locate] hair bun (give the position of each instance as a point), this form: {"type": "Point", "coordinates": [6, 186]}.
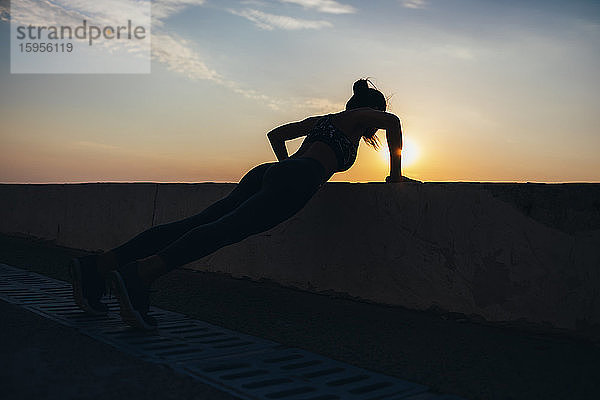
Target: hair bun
{"type": "Point", "coordinates": [360, 86]}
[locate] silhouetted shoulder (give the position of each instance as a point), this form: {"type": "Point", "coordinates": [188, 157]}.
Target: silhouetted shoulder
{"type": "Point", "coordinates": [374, 118]}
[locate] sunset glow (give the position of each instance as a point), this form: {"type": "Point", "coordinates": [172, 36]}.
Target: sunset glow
{"type": "Point", "coordinates": [410, 153]}
{"type": "Point", "coordinates": [486, 91]}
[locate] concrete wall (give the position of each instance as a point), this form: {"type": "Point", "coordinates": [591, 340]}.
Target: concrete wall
{"type": "Point", "coordinates": [505, 252]}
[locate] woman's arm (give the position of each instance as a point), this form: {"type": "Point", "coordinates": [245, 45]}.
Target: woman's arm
{"type": "Point", "coordinates": [278, 146]}
{"type": "Point", "coordinates": [393, 130]}
{"type": "Point", "coordinates": [278, 136]}
{"type": "Point", "coordinates": [394, 139]}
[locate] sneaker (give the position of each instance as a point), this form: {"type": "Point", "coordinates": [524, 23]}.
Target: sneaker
{"type": "Point", "coordinates": [88, 285]}
{"type": "Point", "coordinates": [133, 297]}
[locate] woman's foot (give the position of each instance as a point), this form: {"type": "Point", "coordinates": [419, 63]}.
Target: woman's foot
{"type": "Point", "coordinates": [88, 285]}
{"type": "Point", "coordinates": [133, 297]}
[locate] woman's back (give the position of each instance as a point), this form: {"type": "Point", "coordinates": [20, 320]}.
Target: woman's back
{"type": "Point", "coordinates": [343, 146]}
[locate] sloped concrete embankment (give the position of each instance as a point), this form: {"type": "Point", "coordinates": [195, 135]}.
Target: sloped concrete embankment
{"type": "Point", "coordinates": [505, 252]}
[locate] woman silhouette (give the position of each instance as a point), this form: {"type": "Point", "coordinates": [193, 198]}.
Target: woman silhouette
{"type": "Point", "coordinates": [266, 196]}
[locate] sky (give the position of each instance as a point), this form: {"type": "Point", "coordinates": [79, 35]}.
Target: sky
{"type": "Point", "coordinates": [499, 91]}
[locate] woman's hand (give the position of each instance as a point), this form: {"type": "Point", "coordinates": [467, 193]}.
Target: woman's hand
{"type": "Point", "coordinates": [390, 179]}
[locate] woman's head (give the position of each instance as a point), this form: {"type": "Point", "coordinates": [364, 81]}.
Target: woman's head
{"type": "Point", "coordinates": [365, 96]}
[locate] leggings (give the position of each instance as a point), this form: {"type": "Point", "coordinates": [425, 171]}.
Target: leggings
{"type": "Point", "coordinates": [267, 195]}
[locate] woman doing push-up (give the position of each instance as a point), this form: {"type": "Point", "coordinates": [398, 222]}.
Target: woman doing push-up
{"type": "Point", "coordinates": [267, 195]}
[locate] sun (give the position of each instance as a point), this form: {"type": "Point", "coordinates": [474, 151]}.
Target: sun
{"type": "Point", "coordinates": [410, 153]}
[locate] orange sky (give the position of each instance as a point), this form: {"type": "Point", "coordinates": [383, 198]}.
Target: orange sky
{"type": "Point", "coordinates": [486, 92]}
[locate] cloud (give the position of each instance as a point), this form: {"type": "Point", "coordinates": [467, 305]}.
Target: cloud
{"type": "Point", "coordinates": [271, 21]}
{"type": "Point", "coordinates": [325, 6]}
{"type": "Point", "coordinates": [95, 146]}
{"type": "Point", "coordinates": [254, 3]}
{"type": "Point", "coordinates": [460, 52]}
{"type": "Point", "coordinates": [4, 14]}
{"type": "Point", "coordinates": [176, 53]}
{"type": "Point", "coordinates": [414, 3]}
{"type": "Point", "coordinates": [165, 8]}
{"type": "Point", "coordinates": [320, 105]}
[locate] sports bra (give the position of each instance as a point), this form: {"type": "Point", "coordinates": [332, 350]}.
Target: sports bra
{"type": "Point", "coordinates": [342, 146]}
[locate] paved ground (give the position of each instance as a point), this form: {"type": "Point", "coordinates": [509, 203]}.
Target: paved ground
{"type": "Point", "coordinates": [42, 359]}
{"type": "Point", "coordinates": [444, 352]}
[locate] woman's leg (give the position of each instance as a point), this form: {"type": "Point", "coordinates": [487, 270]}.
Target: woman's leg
{"type": "Point", "coordinates": [158, 237]}
{"type": "Point", "coordinates": [286, 188]}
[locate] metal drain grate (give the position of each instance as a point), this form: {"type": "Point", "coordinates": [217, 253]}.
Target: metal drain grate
{"type": "Point", "coordinates": [298, 374]}
{"type": "Point", "coordinates": [243, 365]}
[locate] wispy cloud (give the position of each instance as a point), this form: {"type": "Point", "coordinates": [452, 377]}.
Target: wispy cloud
{"type": "Point", "coordinates": [271, 21]}
{"type": "Point", "coordinates": [460, 52]}
{"type": "Point", "coordinates": [176, 53]}
{"type": "Point", "coordinates": [320, 105]}
{"type": "Point", "coordinates": [254, 3]}
{"type": "Point", "coordinates": [4, 15]}
{"type": "Point", "coordinates": [414, 3]}
{"type": "Point", "coordinates": [325, 6]}
{"type": "Point", "coordinates": [73, 12]}
{"type": "Point", "coordinates": [94, 145]}
{"type": "Point", "coordinates": [165, 8]}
